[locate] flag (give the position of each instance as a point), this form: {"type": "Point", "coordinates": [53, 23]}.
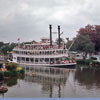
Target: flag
{"type": "Point", "coordinates": [18, 39]}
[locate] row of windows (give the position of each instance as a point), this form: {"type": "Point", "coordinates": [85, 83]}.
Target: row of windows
{"type": "Point", "coordinates": [36, 59]}
{"type": "Point", "coordinates": [41, 52]}
{"type": "Point", "coordinates": [44, 60]}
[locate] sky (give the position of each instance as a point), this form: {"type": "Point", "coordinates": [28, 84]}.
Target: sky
{"type": "Point", "coordinates": [29, 19]}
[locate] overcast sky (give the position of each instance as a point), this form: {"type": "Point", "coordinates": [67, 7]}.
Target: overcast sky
{"type": "Point", "coordinates": [29, 19]}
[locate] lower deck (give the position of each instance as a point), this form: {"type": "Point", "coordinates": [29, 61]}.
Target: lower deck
{"type": "Point", "coordinates": [70, 65]}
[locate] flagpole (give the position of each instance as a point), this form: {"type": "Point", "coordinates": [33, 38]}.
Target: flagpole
{"type": "Point", "coordinates": [18, 42]}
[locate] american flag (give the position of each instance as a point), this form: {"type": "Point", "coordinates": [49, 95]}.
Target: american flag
{"type": "Point", "coordinates": [18, 39]}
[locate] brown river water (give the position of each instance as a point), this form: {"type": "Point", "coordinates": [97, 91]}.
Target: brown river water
{"type": "Point", "coordinates": [46, 82]}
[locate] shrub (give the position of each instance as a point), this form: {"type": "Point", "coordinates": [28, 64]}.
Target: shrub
{"type": "Point", "coordinates": [14, 73]}
{"type": "Point", "coordinates": [22, 71]}
{"type": "Point", "coordinates": [11, 66]}
{"type": "Point", "coordinates": [7, 73]}
{"type": "Point", "coordinates": [11, 82]}
{"type": "Point", "coordinates": [85, 62]}
{"type": "Point", "coordinates": [1, 75]}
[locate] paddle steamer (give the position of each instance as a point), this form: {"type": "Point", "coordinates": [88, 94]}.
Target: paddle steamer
{"type": "Point", "coordinates": [44, 53]}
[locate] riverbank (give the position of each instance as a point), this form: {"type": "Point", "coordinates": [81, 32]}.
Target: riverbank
{"type": "Point", "coordinates": [84, 61]}
{"type": "Point", "coordinates": [89, 63]}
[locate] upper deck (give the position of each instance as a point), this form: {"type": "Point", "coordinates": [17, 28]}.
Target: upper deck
{"type": "Point", "coordinates": [44, 44]}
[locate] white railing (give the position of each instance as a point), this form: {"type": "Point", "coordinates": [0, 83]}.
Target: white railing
{"type": "Point", "coordinates": [41, 56]}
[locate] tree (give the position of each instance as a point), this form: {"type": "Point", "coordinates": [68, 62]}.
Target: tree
{"type": "Point", "coordinates": [1, 44]}
{"type": "Point", "coordinates": [61, 41]}
{"type": "Point", "coordinates": [4, 49]}
{"type": "Point", "coordinates": [8, 47]}
{"type": "Point", "coordinates": [93, 31]}
{"type": "Point", "coordinates": [68, 44]}
{"type": "Point", "coordinates": [83, 43]}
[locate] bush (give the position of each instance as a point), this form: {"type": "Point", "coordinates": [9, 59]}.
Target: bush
{"type": "Point", "coordinates": [1, 75]}
{"type": "Point", "coordinates": [11, 81]}
{"type": "Point", "coordinates": [7, 73]}
{"type": "Point", "coordinates": [14, 73]}
{"type": "Point", "coordinates": [10, 73]}
{"type": "Point", "coordinates": [85, 62]}
{"type": "Point", "coordinates": [22, 71]}
{"type": "Point", "coordinates": [11, 66]}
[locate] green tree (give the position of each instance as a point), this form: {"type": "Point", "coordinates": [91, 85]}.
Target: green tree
{"type": "Point", "coordinates": [1, 75]}
{"type": "Point", "coordinates": [4, 49]}
{"type": "Point", "coordinates": [1, 44]}
{"type": "Point", "coordinates": [93, 31]}
{"type": "Point", "coordinates": [68, 44]}
{"type": "Point", "coordinates": [61, 41]}
{"type": "Point", "coordinates": [84, 44]}
{"type": "Point", "coordinates": [11, 66]}
{"type": "Point", "coordinates": [8, 47]}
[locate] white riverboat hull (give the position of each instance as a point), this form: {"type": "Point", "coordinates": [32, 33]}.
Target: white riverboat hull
{"type": "Point", "coordinates": [69, 65]}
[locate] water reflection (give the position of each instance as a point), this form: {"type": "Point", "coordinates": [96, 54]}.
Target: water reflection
{"type": "Point", "coordinates": [47, 77]}
{"type": "Point", "coordinates": [88, 77]}
{"type": "Point", "coordinates": [54, 82]}
{"type": "Point", "coordinates": [11, 82]}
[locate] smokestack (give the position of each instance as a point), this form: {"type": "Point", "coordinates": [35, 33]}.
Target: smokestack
{"type": "Point", "coordinates": [50, 27]}
{"type": "Point", "coordinates": [59, 35]}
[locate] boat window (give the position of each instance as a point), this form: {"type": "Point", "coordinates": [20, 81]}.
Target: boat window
{"type": "Point", "coordinates": [46, 59]}
{"type": "Point", "coordinates": [22, 52]}
{"type": "Point", "coordinates": [23, 59]}
{"type": "Point", "coordinates": [32, 52]}
{"type": "Point", "coordinates": [50, 52]}
{"type": "Point", "coordinates": [64, 51]}
{"type": "Point", "coordinates": [53, 52]}
{"type": "Point", "coordinates": [31, 59]}
{"type": "Point", "coordinates": [18, 59]}
{"type": "Point", "coordinates": [57, 51]}
{"type": "Point", "coordinates": [41, 59]}
{"type": "Point", "coordinates": [27, 59]}
{"type": "Point", "coordinates": [45, 52]}
{"type": "Point", "coordinates": [26, 52]}
{"type": "Point", "coordinates": [36, 60]}
{"type": "Point", "coordinates": [40, 52]}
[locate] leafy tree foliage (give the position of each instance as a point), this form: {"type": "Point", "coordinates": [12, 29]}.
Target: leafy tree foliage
{"type": "Point", "coordinates": [83, 43]}
{"type": "Point", "coordinates": [6, 48]}
{"type": "Point", "coordinates": [1, 44]}
{"type": "Point", "coordinates": [61, 41]}
{"type": "Point", "coordinates": [1, 75]}
{"type": "Point", "coordinates": [68, 44]}
{"type": "Point", "coordinates": [11, 66]}
{"type": "Point", "coordinates": [93, 31]}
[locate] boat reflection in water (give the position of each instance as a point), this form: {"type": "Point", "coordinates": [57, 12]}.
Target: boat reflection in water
{"type": "Point", "coordinates": [49, 78]}
{"type": "Point", "coordinates": [45, 82]}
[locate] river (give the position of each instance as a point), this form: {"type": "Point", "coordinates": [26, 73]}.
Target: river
{"type": "Point", "coordinates": [46, 82]}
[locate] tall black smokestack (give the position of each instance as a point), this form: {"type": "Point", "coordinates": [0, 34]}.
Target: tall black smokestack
{"type": "Point", "coordinates": [50, 27]}
{"type": "Point", "coordinates": [59, 35]}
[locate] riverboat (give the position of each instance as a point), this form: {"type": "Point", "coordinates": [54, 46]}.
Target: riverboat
{"type": "Point", "coordinates": [44, 53]}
